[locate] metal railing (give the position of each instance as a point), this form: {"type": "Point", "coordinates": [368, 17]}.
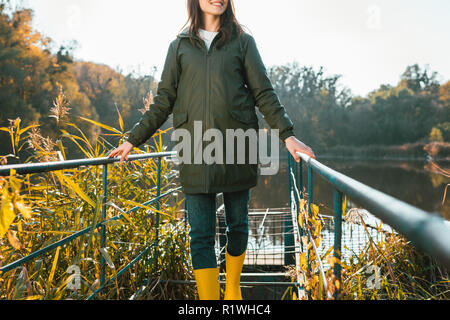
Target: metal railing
{"type": "Point", "coordinates": [428, 232]}
{"type": "Point", "coordinates": [72, 164]}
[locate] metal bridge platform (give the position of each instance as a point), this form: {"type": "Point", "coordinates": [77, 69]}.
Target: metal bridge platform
{"type": "Point", "coordinates": [270, 250]}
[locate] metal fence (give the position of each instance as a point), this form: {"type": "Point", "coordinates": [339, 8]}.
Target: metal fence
{"type": "Point", "coordinates": [275, 233]}
{"type": "Point", "coordinates": [429, 233]}
{"type": "Point", "coordinates": [354, 239]}
{"type": "Point", "coordinates": [266, 246]}
{"type": "Point", "coordinates": [101, 226]}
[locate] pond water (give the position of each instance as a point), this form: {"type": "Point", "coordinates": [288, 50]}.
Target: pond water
{"type": "Point", "coordinates": [409, 181]}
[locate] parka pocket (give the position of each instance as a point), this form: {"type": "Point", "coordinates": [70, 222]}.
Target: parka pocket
{"type": "Point", "coordinates": [179, 118]}
{"type": "Point", "coordinates": [246, 116]}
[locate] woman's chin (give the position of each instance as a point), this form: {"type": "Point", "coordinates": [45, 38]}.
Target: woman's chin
{"type": "Point", "coordinates": [218, 11]}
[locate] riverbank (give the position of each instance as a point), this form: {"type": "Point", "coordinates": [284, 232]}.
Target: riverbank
{"type": "Point", "coordinates": [439, 151]}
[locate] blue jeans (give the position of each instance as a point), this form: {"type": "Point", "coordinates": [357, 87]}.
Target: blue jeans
{"type": "Point", "coordinates": [201, 211]}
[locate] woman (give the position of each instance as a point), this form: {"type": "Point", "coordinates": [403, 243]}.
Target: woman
{"type": "Point", "coordinates": [214, 75]}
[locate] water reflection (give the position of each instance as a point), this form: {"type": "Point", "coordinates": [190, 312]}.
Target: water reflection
{"type": "Point", "coordinates": [409, 181]}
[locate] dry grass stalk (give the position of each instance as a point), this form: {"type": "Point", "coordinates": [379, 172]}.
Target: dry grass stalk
{"type": "Point", "coordinates": [44, 147]}
{"type": "Point", "coordinates": [148, 101]}
{"type": "Point", "coordinates": [58, 213]}
{"type": "Point", "coordinates": [355, 215]}
{"type": "Point", "coordinates": [60, 107]}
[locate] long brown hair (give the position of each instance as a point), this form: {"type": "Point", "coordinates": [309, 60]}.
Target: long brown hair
{"type": "Point", "coordinates": [228, 21]}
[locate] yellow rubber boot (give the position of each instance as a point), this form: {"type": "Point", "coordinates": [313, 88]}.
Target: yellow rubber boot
{"type": "Point", "coordinates": [208, 286]}
{"type": "Point", "coordinates": [233, 276]}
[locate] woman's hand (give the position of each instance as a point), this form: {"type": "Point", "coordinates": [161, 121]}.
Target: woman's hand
{"type": "Point", "coordinates": [122, 151]}
{"type": "Point", "coordinates": [294, 145]}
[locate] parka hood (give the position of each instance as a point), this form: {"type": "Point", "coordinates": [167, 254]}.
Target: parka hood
{"type": "Point", "coordinates": [185, 33]}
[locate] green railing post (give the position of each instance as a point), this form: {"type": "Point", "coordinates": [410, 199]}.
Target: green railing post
{"type": "Point", "coordinates": [295, 180]}
{"type": "Point", "coordinates": [310, 189]}
{"type": "Point", "coordinates": [186, 217]}
{"type": "Point", "coordinates": [300, 178]}
{"type": "Point", "coordinates": [310, 201]}
{"type": "Point", "coordinates": [289, 177]}
{"type": "Point", "coordinates": [300, 190]}
{"type": "Point", "coordinates": [289, 242]}
{"type": "Point", "coordinates": [337, 237]}
{"type": "Point", "coordinates": [158, 193]}
{"type": "Point", "coordinates": [103, 227]}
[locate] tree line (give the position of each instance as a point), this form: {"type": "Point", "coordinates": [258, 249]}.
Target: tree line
{"type": "Point", "coordinates": [326, 114]}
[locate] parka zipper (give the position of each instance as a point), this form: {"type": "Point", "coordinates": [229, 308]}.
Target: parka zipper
{"type": "Point", "coordinates": [207, 111]}
{"type": "Point", "coordinates": [207, 116]}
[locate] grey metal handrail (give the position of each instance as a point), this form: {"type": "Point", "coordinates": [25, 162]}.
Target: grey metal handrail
{"type": "Point", "coordinates": [426, 231]}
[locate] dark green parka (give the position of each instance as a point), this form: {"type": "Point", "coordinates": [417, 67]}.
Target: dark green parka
{"type": "Point", "coordinates": [220, 87]}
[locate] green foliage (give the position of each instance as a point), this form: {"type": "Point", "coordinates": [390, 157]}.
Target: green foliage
{"type": "Point", "coordinates": [436, 135]}
{"type": "Point", "coordinates": [40, 209]}
{"type": "Point", "coordinates": [326, 115]}
{"type": "Point", "coordinates": [31, 75]}
{"type": "Point", "coordinates": [444, 128]}
{"type": "Point", "coordinates": [313, 101]}
{"type": "Point", "coordinates": [404, 273]}
{"type": "Point", "coordinates": [387, 268]}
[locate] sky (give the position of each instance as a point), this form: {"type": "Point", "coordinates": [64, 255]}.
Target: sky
{"type": "Point", "coordinates": [368, 42]}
